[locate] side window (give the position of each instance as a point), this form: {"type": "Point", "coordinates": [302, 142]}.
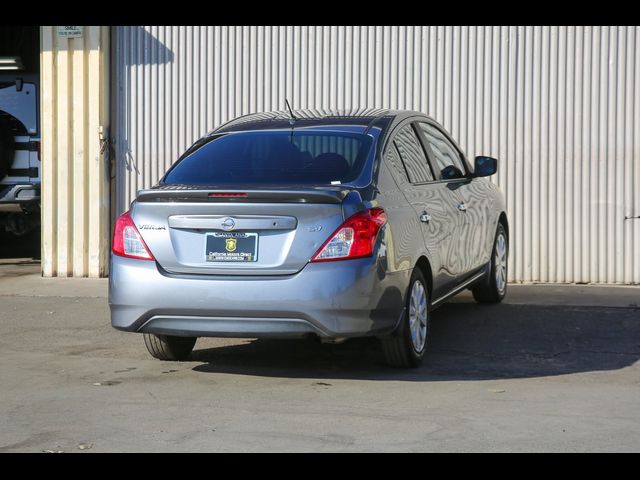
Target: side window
{"type": "Point", "coordinates": [413, 156]}
{"type": "Point", "coordinates": [394, 162]}
{"type": "Point", "coordinates": [444, 155]}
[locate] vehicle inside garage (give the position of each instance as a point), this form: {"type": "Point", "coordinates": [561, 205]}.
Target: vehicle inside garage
{"type": "Point", "coordinates": [20, 171]}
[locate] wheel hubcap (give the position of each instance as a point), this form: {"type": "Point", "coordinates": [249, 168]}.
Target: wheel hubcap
{"type": "Point", "coordinates": [500, 263]}
{"type": "Point", "coordinates": [418, 316]}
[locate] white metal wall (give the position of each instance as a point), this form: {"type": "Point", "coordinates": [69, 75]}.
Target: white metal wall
{"type": "Point", "coordinates": [559, 106]}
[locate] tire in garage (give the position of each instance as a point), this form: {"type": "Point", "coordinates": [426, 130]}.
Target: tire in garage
{"type": "Point", "coordinates": [7, 147]}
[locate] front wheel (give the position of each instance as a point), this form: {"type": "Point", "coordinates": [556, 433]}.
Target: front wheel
{"type": "Point", "coordinates": [406, 346]}
{"type": "Point", "coordinates": [166, 347]}
{"type": "Point", "coordinates": [494, 288]}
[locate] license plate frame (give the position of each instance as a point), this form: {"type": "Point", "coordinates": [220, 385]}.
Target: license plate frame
{"type": "Point", "coordinates": [227, 247]}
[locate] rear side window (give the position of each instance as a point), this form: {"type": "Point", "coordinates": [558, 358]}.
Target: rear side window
{"type": "Point", "coordinates": [394, 161]}
{"type": "Point", "coordinates": [274, 157]}
{"type": "Point", "coordinates": [413, 156]}
{"type": "Point", "coordinates": [443, 153]}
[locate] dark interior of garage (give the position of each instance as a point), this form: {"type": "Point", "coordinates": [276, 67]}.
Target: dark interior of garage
{"type": "Point", "coordinates": [19, 52]}
{"type": "Point", "coordinates": [22, 41]}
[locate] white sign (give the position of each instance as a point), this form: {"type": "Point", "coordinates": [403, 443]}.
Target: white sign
{"type": "Point", "coordinates": [70, 32]}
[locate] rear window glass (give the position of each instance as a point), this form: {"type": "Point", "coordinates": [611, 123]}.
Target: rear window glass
{"type": "Point", "coordinates": [274, 157]}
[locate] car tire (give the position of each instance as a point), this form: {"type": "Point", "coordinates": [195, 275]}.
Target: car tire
{"type": "Point", "coordinates": [7, 147]}
{"type": "Point", "coordinates": [493, 287]}
{"type": "Point", "coordinates": [166, 347]}
{"type": "Point", "coordinates": [406, 346]}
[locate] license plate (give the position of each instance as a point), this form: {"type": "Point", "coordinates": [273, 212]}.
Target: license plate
{"type": "Point", "coordinates": [231, 247]}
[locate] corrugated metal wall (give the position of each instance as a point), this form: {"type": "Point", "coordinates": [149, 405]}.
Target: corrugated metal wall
{"type": "Point", "coordinates": [559, 106]}
{"type": "Point", "coordinates": [75, 182]}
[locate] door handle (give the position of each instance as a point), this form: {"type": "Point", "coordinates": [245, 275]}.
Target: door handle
{"type": "Point", "coordinates": [425, 217]}
{"type": "Point", "coordinates": [462, 207]}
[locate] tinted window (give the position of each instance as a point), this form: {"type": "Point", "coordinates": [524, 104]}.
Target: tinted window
{"type": "Point", "coordinates": [443, 153]}
{"type": "Point", "coordinates": [273, 157]}
{"type": "Point", "coordinates": [395, 163]}
{"type": "Point", "coordinates": [415, 161]}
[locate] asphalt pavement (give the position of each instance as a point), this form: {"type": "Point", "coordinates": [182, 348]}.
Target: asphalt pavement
{"type": "Point", "coordinates": [553, 368]}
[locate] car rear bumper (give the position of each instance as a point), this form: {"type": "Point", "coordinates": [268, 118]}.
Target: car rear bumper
{"type": "Point", "coordinates": [332, 300]}
{"type": "Point", "coordinates": [19, 193]}
{"type": "Point", "coordinates": [208, 326]}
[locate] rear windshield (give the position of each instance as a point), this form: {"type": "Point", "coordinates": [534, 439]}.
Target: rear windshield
{"type": "Point", "coordinates": [274, 157]}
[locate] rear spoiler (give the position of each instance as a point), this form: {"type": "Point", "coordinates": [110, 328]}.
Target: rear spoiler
{"type": "Point", "coordinates": [176, 193]}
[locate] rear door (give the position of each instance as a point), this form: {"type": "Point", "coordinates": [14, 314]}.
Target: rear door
{"type": "Point", "coordinates": [430, 201]}
{"type": "Point", "coordinates": [466, 193]}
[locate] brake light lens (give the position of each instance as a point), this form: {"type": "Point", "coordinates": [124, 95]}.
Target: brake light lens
{"type": "Point", "coordinates": [355, 238]}
{"type": "Point", "coordinates": [227, 194]}
{"type": "Point", "coordinates": [127, 241]}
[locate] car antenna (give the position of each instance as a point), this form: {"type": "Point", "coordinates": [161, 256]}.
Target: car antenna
{"type": "Point", "coordinates": [292, 119]}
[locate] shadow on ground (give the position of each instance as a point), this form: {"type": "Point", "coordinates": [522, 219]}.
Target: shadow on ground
{"type": "Point", "coordinates": [467, 342]}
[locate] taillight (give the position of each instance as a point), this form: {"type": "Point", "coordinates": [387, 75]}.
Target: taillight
{"type": "Point", "coordinates": [355, 238]}
{"type": "Point", "coordinates": [227, 194]}
{"type": "Point", "coordinates": [127, 241]}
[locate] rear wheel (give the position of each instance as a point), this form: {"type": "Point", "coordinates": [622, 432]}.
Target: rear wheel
{"type": "Point", "coordinates": [494, 288]}
{"type": "Point", "coordinates": [166, 347]}
{"type": "Point", "coordinates": [406, 346]}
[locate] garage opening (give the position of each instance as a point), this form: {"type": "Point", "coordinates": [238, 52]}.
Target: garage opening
{"type": "Point", "coordinates": [20, 163]}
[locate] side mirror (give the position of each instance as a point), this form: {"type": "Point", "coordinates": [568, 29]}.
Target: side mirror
{"type": "Point", "coordinates": [451, 172]}
{"type": "Point", "coordinates": [485, 166]}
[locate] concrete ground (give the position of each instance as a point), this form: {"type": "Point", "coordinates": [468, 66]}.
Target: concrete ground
{"type": "Point", "coordinates": [553, 368]}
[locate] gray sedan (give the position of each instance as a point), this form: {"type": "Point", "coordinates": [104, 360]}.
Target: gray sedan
{"type": "Point", "coordinates": [307, 223]}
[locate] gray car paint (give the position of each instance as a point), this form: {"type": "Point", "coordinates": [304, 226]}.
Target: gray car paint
{"type": "Point", "coordinates": [283, 294]}
{"type": "Point", "coordinates": [331, 299]}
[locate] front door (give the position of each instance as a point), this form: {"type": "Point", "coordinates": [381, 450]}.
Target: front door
{"type": "Point", "coordinates": [466, 194]}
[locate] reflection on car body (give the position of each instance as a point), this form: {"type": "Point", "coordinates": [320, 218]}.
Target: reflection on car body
{"type": "Point", "coordinates": [337, 225]}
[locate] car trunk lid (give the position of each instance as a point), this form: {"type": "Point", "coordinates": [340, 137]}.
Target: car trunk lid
{"type": "Point", "coordinates": [236, 232]}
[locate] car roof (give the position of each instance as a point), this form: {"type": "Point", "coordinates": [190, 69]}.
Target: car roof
{"type": "Point", "coordinates": [367, 118]}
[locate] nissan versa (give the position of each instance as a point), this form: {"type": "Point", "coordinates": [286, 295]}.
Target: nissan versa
{"type": "Point", "coordinates": [297, 223]}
